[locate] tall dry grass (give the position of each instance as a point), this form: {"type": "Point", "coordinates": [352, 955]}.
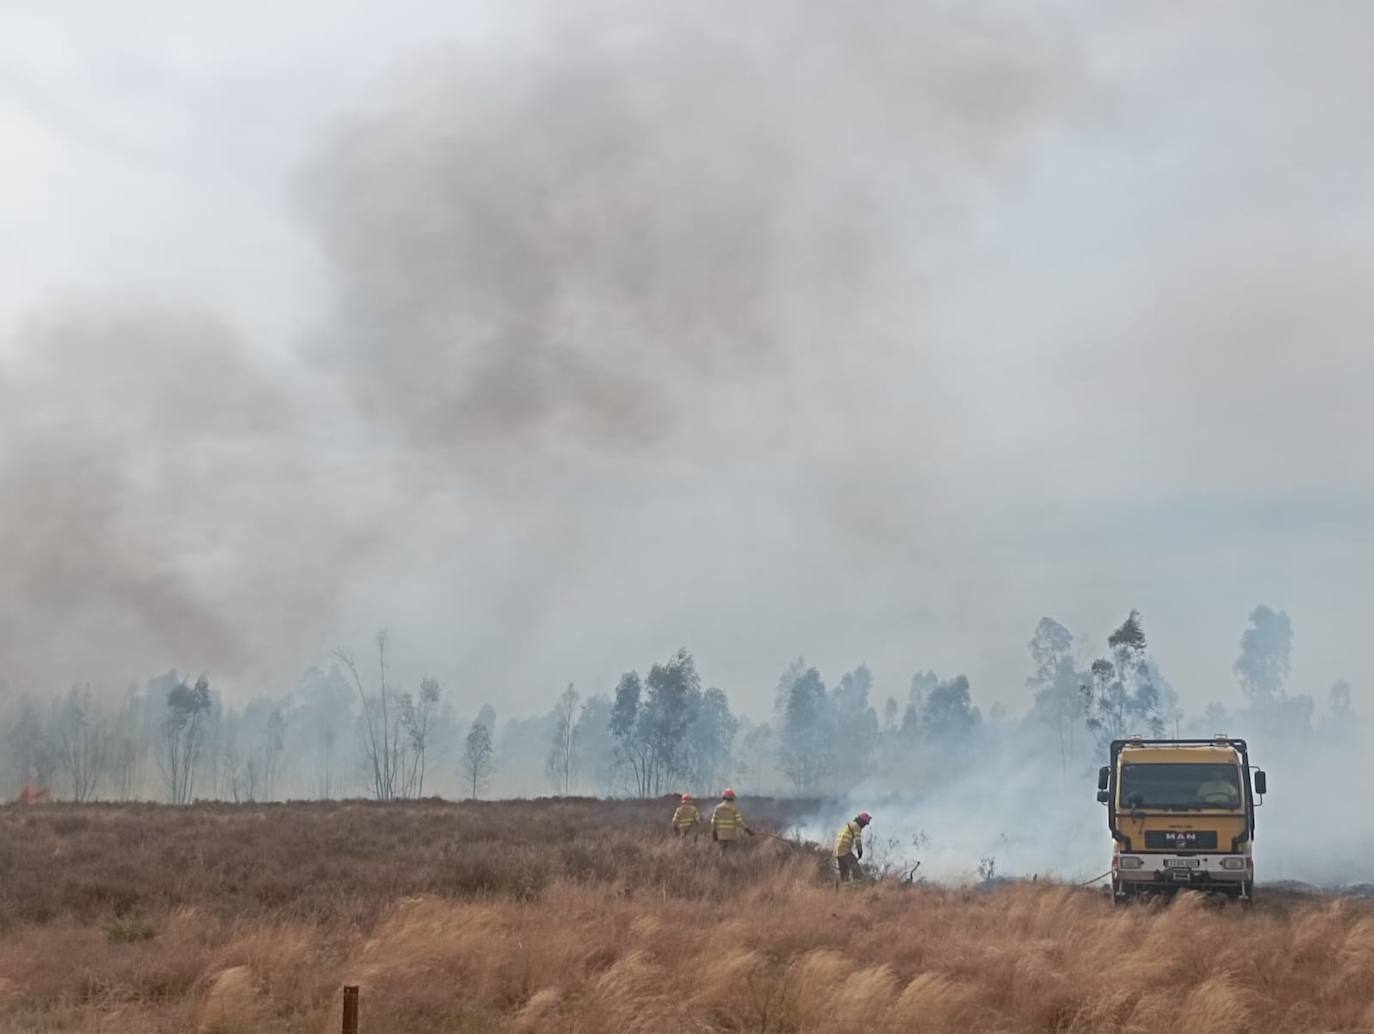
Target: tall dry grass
{"type": "Point", "coordinates": [614, 927]}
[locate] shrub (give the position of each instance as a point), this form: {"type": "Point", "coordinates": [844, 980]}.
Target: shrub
{"type": "Point", "coordinates": [128, 929]}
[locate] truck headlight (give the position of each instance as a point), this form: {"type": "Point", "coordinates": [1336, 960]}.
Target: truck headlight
{"type": "Point", "coordinates": [1131, 862]}
{"type": "Point", "coordinates": [1233, 863]}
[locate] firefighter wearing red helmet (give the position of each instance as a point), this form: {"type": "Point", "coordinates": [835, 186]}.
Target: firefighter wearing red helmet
{"type": "Point", "coordinates": [727, 821]}
{"type": "Point", "coordinates": [849, 845]}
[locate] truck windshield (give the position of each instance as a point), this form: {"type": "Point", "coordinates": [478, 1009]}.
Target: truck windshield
{"type": "Point", "coordinates": [1180, 786]}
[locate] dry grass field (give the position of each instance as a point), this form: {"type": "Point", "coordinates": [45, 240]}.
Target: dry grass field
{"type": "Point", "coordinates": [578, 916]}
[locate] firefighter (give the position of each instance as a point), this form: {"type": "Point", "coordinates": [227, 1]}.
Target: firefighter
{"type": "Point", "coordinates": [1218, 791]}
{"type": "Point", "coordinates": [686, 818]}
{"type": "Point", "coordinates": [727, 821]}
{"type": "Point", "coordinates": [849, 845]}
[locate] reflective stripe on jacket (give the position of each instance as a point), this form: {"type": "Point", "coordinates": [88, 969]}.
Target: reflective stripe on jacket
{"type": "Point", "coordinates": [851, 836]}
{"type": "Point", "coordinates": [686, 816]}
{"type": "Point", "coordinates": [726, 821]}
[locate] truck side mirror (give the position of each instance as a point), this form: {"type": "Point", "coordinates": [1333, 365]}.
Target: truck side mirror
{"type": "Point", "coordinates": [1103, 774]}
{"type": "Point", "coordinates": [1261, 783]}
{"type": "Point", "coordinates": [1103, 797]}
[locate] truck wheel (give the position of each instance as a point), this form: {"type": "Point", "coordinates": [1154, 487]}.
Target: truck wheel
{"type": "Point", "coordinates": [1247, 894]}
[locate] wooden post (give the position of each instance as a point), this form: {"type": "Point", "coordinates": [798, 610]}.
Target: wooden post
{"type": "Point", "coordinates": [350, 1010]}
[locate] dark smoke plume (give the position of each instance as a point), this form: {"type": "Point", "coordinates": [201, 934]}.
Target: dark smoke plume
{"type": "Point", "coordinates": [155, 501]}
{"type": "Point", "coordinates": [579, 239]}
{"type": "Point", "coordinates": [615, 237]}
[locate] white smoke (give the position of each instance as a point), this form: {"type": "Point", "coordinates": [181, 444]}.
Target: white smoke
{"type": "Point", "coordinates": [1014, 806]}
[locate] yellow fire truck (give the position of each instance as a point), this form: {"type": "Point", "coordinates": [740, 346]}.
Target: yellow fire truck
{"type": "Point", "coordinates": [1182, 815]}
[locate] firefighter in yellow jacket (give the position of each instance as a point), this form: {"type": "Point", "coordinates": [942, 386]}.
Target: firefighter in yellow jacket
{"type": "Point", "coordinates": [727, 821]}
{"type": "Point", "coordinates": [686, 818]}
{"type": "Point", "coordinates": [849, 845]}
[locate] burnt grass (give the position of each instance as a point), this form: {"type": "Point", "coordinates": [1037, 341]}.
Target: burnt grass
{"type": "Point", "coordinates": [325, 861]}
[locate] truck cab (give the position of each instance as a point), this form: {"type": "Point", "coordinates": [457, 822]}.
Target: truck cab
{"type": "Point", "coordinates": [1181, 815]}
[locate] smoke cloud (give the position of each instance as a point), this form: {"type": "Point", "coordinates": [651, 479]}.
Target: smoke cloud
{"type": "Point", "coordinates": [873, 333]}
{"type": "Point", "coordinates": [624, 225]}
{"type": "Point", "coordinates": [156, 500]}
{"type": "Point", "coordinates": [1017, 815]}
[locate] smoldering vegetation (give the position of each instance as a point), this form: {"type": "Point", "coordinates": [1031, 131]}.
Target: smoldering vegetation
{"type": "Point", "coordinates": [584, 915]}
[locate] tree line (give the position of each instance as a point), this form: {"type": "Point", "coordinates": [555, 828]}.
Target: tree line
{"type": "Point", "coordinates": [350, 730]}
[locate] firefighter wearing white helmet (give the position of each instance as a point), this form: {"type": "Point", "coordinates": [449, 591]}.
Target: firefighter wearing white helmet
{"type": "Point", "coordinates": [687, 817]}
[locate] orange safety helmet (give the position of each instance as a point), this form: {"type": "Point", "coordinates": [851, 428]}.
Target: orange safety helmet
{"type": "Point", "coordinates": [728, 794]}
{"type": "Point", "coordinates": [686, 798]}
{"type": "Point", "coordinates": [863, 818]}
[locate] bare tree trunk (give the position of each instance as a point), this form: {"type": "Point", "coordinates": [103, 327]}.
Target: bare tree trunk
{"type": "Point", "coordinates": [388, 747]}
{"type": "Point", "coordinates": [371, 744]}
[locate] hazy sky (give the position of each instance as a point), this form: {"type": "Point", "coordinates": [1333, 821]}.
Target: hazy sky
{"type": "Point", "coordinates": [556, 341]}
